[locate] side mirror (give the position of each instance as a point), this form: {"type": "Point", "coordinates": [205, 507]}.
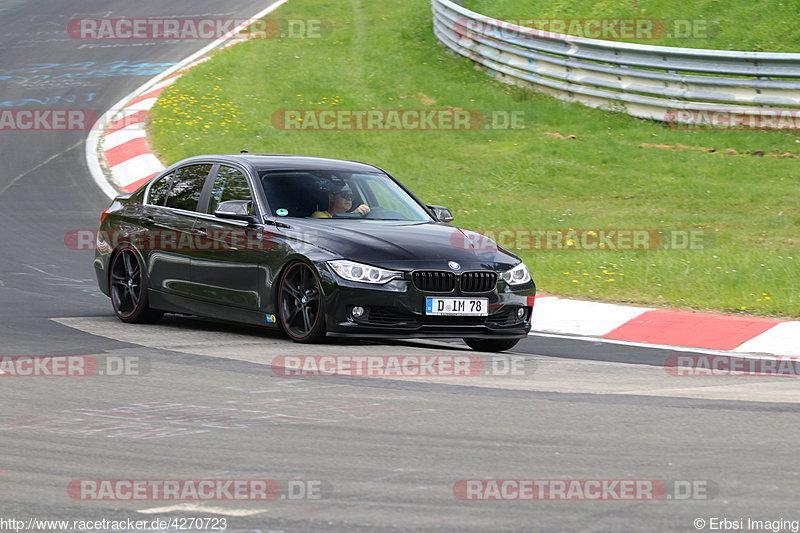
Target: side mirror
{"type": "Point", "coordinates": [236, 210]}
{"type": "Point", "coordinates": [441, 213]}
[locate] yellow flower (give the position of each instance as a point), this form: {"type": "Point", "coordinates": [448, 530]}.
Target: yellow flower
{"type": "Point", "coordinates": [743, 307]}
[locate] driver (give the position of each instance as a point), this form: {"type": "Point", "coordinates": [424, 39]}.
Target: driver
{"type": "Point", "coordinates": [341, 201]}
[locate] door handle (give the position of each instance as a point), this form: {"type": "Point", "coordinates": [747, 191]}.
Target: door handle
{"type": "Point", "coordinates": [149, 220]}
{"type": "Point", "coordinates": [201, 231]}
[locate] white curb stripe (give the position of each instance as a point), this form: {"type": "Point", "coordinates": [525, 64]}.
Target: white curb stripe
{"type": "Point", "coordinates": [577, 317]}
{"type": "Point", "coordinates": [135, 169]}
{"type": "Point", "coordinates": [781, 339]}
{"type": "Point", "coordinates": [121, 136]}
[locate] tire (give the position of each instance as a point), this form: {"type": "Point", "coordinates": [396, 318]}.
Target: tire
{"type": "Point", "coordinates": [491, 345]}
{"type": "Point", "coordinates": [300, 304]}
{"type": "Point", "coordinates": [128, 288]}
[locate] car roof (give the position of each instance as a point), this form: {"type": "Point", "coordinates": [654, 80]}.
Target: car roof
{"type": "Point", "coordinates": [286, 162]}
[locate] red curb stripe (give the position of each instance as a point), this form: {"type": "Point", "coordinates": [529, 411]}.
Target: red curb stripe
{"type": "Point", "coordinates": [696, 330]}
{"type": "Point", "coordinates": [130, 120]}
{"type": "Point", "coordinates": [138, 183]}
{"type": "Point", "coordinates": [127, 150]}
{"type": "Point", "coordinates": [152, 94]}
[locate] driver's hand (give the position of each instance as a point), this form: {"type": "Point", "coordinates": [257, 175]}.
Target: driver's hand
{"type": "Point", "coordinates": [362, 210]}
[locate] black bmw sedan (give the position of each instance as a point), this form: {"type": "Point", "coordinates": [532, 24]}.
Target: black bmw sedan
{"type": "Point", "coordinates": [309, 245]}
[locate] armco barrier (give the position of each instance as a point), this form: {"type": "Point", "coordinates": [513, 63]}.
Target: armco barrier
{"type": "Point", "coordinates": [654, 82]}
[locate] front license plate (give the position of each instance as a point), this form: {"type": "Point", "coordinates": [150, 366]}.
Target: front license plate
{"type": "Point", "coordinates": [457, 306]}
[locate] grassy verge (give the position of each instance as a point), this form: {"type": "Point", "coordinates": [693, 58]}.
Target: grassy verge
{"type": "Point", "coordinates": [755, 25]}
{"type": "Point", "coordinates": [384, 55]}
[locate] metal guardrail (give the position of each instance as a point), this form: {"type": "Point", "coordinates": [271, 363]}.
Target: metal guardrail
{"type": "Point", "coordinates": [676, 85]}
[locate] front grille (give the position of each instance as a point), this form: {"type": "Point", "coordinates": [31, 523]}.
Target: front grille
{"type": "Point", "coordinates": [434, 280]}
{"type": "Point", "coordinates": [484, 281]}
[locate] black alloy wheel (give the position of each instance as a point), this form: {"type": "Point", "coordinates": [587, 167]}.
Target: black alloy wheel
{"type": "Point", "coordinates": [300, 302]}
{"type": "Point", "coordinates": [129, 289]}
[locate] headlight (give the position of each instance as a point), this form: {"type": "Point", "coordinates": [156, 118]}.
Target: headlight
{"type": "Point", "coordinates": [352, 271]}
{"type": "Point", "coordinates": [518, 275]}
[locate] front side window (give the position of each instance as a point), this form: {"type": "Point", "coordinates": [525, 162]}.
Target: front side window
{"type": "Point", "coordinates": [231, 184]}
{"type": "Point", "coordinates": [187, 186]}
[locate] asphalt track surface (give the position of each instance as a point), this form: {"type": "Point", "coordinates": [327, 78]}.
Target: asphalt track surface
{"type": "Point", "coordinates": [206, 404]}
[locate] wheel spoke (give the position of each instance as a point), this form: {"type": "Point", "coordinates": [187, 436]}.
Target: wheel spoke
{"type": "Point", "coordinates": [306, 319]}
{"type": "Point", "coordinates": [292, 315]}
{"type": "Point", "coordinates": [134, 296]}
{"type": "Point", "coordinates": [303, 279]}
{"type": "Point", "coordinates": [126, 258]}
{"type": "Point", "coordinates": [124, 297]}
{"type": "Point", "coordinates": [288, 287]}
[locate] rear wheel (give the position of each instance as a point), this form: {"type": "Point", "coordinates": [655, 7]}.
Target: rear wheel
{"type": "Point", "coordinates": [128, 284]}
{"type": "Point", "coordinates": [300, 304]}
{"type": "Point", "coordinates": [491, 345]}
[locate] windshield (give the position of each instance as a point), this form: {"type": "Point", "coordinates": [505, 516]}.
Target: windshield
{"type": "Point", "coordinates": [327, 194]}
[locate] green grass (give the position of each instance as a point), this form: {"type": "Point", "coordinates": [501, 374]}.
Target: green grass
{"type": "Point", "coordinates": [755, 25]}
{"type": "Point", "coordinates": [384, 55]}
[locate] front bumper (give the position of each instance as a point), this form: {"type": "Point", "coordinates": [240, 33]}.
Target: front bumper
{"type": "Point", "coordinates": [397, 310]}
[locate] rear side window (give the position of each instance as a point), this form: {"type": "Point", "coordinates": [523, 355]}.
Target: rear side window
{"type": "Point", "coordinates": [159, 190]}
{"type": "Point", "coordinates": [187, 185]}
{"type": "Point", "coordinates": [230, 184]}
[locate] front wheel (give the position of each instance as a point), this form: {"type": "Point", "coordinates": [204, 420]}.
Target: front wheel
{"type": "Point", "coordinates": [491, 345]}
{"type": "Point", "coordinates": [300, 304]}
{"type": "Point", "coordinates": [128, 283]}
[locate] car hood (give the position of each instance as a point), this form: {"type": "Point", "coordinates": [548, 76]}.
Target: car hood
{"type": "Point", "coordinates": [402, 245]}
